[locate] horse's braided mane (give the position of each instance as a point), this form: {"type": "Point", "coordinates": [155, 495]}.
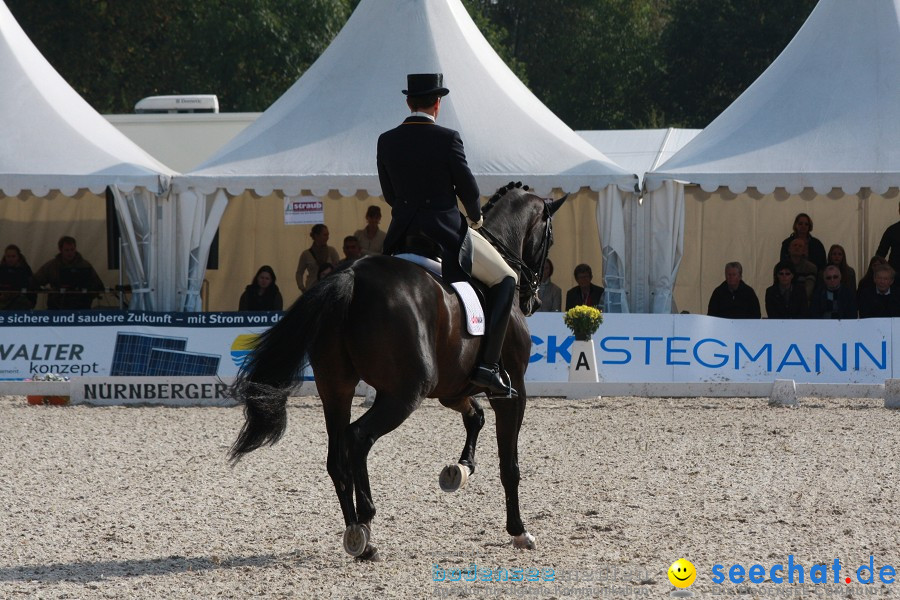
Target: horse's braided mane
{"type": "Point", "coordinates": [512, 185]}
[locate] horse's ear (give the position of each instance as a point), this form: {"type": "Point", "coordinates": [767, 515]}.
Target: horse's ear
{"type": "Point", "coordinates": [554, 205]}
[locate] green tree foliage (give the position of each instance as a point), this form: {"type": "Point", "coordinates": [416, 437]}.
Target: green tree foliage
{"type": "Point", "coordinates": [714, 49]}
{"type": "Point", "coordinates": [598, 64]}
{"type": "Point", "coordinates": [114, 53]}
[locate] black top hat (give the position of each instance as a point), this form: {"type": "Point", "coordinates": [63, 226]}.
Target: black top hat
{"type": "Point", "coordinates": [425, 84]}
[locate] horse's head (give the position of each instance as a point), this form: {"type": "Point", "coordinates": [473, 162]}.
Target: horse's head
{"type": "Point", "coordinates": [520, 225]}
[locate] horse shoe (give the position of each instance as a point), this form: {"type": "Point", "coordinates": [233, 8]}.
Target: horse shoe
{"type": "Point", "coordinates": [453, 477]}
{"type": "Point", "coordinates": [524, 541]}
{"type": "Point", "coordinates": [356, 539]}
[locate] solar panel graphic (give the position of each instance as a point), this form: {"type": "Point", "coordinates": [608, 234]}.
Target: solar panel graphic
{"type": "Point", "coordinates": [177, 363]}
{"type": "Point", "coordinates": [132, 353]}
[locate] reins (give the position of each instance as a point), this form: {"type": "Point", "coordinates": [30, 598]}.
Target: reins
{"type": "Point", "coordinates": [528, 278]}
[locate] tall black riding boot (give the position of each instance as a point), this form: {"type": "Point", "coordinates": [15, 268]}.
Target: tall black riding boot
{"type": "Point", "coordinates": [500, 300]}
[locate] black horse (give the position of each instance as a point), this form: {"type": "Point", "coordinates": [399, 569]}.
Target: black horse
{"type": "Point", "coordinates": [391, 324]}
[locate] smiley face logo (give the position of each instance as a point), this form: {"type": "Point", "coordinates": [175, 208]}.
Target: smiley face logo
{"type": "Point", "coordinates": [682, 573]}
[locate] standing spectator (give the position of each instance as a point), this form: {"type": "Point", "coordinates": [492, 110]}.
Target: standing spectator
{"type": "Point", "coordinates": [69, 272]}
{"type": "Point", "coordinates": [882, 299]}
{"type": "Point", "coordinates": [784, 298]}
{"type": "Point", "coordinates": [803, 227]}
{"type": "Point", "coordinates": [868, 280]}
{"type": "Point", "coordinates": [805, 272]}
{"type": "Point", "coordinates": [352, 252]}
{"type": "Point", "coordinates": [371, 238]}
{"type": "Point", "coordinates": [263, 293]}
{"type": "Point", "coordinates": [311, 260]}
{"type": "Point", "coordinates": [15, 280]}
{"type": "Point", "coordinates": [838, 258]}
{"type": "Point", "coordinates": [832, 301]}
{"type": "Point", "coordinates": [889, 247]}
{"type": "Point", "coordinates": [549, 293]}
{"type": "Point", "coordinates": [734, 299]}
{"type": "Point", "coordinates": [585, 292]}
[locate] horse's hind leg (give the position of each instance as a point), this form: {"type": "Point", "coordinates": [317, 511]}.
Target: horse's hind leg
{"type": "Point", "coordinates": [454, 477]}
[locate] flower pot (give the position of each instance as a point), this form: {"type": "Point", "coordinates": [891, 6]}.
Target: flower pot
{"type": "Point", "coordinates": [584, 361]}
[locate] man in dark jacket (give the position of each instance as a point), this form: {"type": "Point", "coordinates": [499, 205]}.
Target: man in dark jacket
{"type": "Point", "coordinates": [734, 299]}
{"type": "Point", "coordinates": [881, 299]}
{"type": "Point", "coordinates": [832, 300]}
{"type": "Point", "coordinates": [422, 168]}
{"type": "Point", "coordinates": [585, 293]}
{"type": "Point", "coordinates": [69, 272]}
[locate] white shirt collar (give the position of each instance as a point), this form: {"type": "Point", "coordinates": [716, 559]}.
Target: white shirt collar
{"type": "Point", "coordinates": [421, 114]}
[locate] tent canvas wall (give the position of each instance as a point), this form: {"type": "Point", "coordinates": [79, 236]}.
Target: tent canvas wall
{"type": "Point", "coordinates": [815, 133]}
{"type": "Point", "coordinates": [57, 158]}
{"type": "Point", "coordinates": [319, 140]}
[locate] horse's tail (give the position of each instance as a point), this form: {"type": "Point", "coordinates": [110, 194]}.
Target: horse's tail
{"type": "Point", "coordinates": [278, 358]}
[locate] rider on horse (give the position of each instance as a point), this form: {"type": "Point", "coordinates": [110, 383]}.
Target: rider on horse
{"type": "Point", "coordinates": [422, 167]}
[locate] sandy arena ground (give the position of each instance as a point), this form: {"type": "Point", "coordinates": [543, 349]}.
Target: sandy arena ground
{"type": "Point", "coordinates": [141, 503]}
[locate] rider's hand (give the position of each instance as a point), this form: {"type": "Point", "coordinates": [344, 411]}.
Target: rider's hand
{"type": "Point", "coordinates": [476, 224]}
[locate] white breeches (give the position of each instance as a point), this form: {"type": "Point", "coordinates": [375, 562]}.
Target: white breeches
{"type": "Point", "coordinates": [488, 266]}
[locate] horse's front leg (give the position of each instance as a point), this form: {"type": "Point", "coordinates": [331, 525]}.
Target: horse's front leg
{"type": "Point", "coordinates": [509, 414]}
{"type": "Point", "coordinates": [455, 476]}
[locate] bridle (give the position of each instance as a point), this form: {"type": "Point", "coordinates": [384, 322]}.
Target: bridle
{"type": "Point", "coordinates": [529, 280]}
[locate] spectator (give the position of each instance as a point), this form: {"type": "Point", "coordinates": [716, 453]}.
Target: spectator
{"type": "Point", "coordinates": [371, 238]}
{"type": "Point", "coordinates": [882, 299]}
{"type": "Point", "coordinates": [734, 299]}
{"type": "Point", "coordinates": [889, 247]}
{"type": "Point", "coordinates": [318, 254]}
{"type": "Point", "coordinates": [804, 271]}
{"type": "Point", "coordinates": [838, 258]}
{"type": "Point", "coordinates": [832, 300]}
{"type": "Point", "coordinates": [868, 280]}
{"type": "Point", "coordinates": [15, 279]}
{"type": "Point", "coordinates": [784, 298]}
{"type": "Point", "coordinates": [263, 293]}
{"type": "Point", "coordinates": [585, 292]}
{"type": "Point", "coordinates": [803, 227]}
{"type": "Point", "coordinates": [352, 252]}
{"type": "Point", "coordinates": [549, 293]}
{"type": "Point", "coordinates": [69, 272]}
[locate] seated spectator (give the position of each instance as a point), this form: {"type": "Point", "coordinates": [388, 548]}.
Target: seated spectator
{"type": "Point", "coordinates": [868, 280]}
{"type": "Point", "coordinates": [312, 259]}
{"type": "Point", "coordinates": [371, 238]}
{"type": "Point", "coordinates": [352, 252]}
{"type": "Point", "coordinates": [805, 272]}
{"type": "Point", "coordinates": [585, 292]}
{"type": "Point", "coordinates": [263, 293]}
{"type": "Point", "coordinates": [882, 299]}
{"type": "Point", "coordinates": [71, 275]}
{"type": "Point", "coordinates": [832, 300]}
{"type": "Point", "coordinates": [734, 299]}
{"type": "Point", "coordinates": [803, 227]}
{"type": "Point", "coordinates": [784, 298]}
{"type": "Point", "coordinates": [549, 293]}
{"type": "Point", "coordinates": [889, 247]}
{"type": "Point", "coordinates": [838, 258]}
{"type": "Point", "coordinates": [15, 280]}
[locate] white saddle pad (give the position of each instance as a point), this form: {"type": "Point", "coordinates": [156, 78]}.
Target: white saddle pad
{"type": "Point", "coordinates": [467, 295]}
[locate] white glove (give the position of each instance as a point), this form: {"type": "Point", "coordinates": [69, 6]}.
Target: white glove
{"type": "Point", "coordinates": [476, 225]}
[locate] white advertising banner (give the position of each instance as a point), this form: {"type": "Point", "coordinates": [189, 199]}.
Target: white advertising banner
{"type": "Point", "coordinates": [629, 347]}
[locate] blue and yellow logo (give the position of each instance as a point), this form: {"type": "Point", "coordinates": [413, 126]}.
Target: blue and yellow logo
{"type": "Point", "coordinates": [241, 347]}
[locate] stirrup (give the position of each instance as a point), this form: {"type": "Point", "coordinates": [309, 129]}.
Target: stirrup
{"type": "Point", "coordinates": [489, 377]}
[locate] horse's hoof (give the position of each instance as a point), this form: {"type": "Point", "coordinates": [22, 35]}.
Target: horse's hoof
{"type": "Point", "coordinates": [356, 539]}
{"type": "Point", "coordinates": [524, 541]}
{"type": "Point", "coordinates": [453, 477]}
{"type": "Point", "coordinates": [370, 554]}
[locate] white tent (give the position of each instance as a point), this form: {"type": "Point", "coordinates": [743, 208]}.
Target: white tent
{"type": "Point", "coordinates": [53, 141]}
{"type": "Point", "coordinates": [320, 136]}
{"type": "Point", "coordinates": [654, 229]}
{"type": "Point", "coordinates": [816, 133]}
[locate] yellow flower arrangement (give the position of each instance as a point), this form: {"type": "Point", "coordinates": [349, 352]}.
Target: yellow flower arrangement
{"type": "Point", "coordinates": [583, 321]}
